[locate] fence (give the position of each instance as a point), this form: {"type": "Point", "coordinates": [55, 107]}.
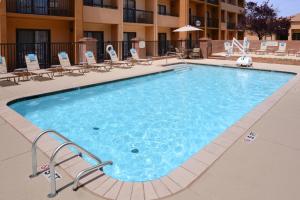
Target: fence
{"type": "Point", "coordinates": [47, 53]}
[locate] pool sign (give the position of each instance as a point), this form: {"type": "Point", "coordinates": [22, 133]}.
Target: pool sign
{"type": "Point", "coordinates": [198, 23]}
{"type": "Point", "coordinates": [46, 172]}
{"type": "Point", "coordinates": [250, 137]}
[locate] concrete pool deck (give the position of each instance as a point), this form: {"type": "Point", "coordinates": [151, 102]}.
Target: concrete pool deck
{"type": "Point", "coordinates": [264, 169]}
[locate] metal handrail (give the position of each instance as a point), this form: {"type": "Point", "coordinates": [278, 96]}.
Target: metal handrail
{"type": "Point", "coordinates": [33, 149]}
{"type": "Point", "coordinates": [88, 171]}
{"type": "Point", "coordinates": [53, 191]}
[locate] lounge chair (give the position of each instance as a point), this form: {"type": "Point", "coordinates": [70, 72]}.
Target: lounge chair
{"type": "Point", "coordinates": [228, 49]}
{"type": "Point", "coordinates": [33, 67]}
{"type": "Point", "coordinates": [195, 53]}
{"type": "Point", "coordinates": [136, 58]}
{"type": "Point", "coordinates": [263, 48]}
{"type": "Point", "coordinates": [281, 49]}
{"type": "Point", "coordinates": [114, 59]}
{"type": "Point", "coordinates": [66, 65]}
{"type": "Point", "coordinates": [91, 61]}
{"type": "Point", "coordinates": [298, 54]}
{"type": "Point", "coordinates": [3, 71]}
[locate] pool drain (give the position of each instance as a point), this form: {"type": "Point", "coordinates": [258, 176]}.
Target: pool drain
{"type": "Point", "coordinates": [96, 128]}
{"type": "Point", "coordinates": [134, 151]}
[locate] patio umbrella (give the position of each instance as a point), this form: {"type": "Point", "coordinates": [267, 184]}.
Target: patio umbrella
{"type": "Point", "coordinates": [187, 28]}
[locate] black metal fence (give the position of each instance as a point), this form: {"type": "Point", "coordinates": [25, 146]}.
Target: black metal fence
{"type": "Point", "coordinates": [47, 53]}
{"type": "Point", "coordinates": [213, 22]}
{"type": "Point", "coordinates": [137, 16]}
{"type": "Point", "coordinates": [41, 7]}
{"type": "Point", "coordinates": [101, 4]}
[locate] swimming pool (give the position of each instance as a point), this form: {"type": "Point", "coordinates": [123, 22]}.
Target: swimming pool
{"type": "Point", "coordinates": [150, 125]}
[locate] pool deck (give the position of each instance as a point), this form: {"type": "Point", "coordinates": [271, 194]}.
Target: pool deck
{"type": "Point", "coordinates": [267, 168]}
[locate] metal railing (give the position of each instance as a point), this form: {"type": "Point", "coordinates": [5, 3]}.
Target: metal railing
{"type": "Point", "coordinates": [213, 22]}
{"type": "Point", "coordinates": [168, 14]}
{"type": "Point", "coordinates": [52, 162]}
{"type": "Point", "coordinates": [216, 2]}
{"type": "Point", "coordinates": [41, 7]}
{"type": "Point", "coordinates": [137, 16]}
{"type": "Point", "coordinates": [100, 4]}
{"type": "Point", "coordinates": [231, 25]}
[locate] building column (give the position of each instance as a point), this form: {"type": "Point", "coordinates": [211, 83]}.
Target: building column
{"type": "Point", "coordinates": [3, 22]}
{"type": "Point", "coordinates": [78, 20]}
{"type": "Point", "coordinates": [183, 16]}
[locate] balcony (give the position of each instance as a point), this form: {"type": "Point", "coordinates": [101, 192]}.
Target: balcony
{"type": "Point", "coordinates": [168, 14]}
{"type": "Point", "coordinates": [215, 2]}
{"type": "Point", "coordinates": [137, 16]}
{"type": "Point", "coordinates": [232, 2]}
{"type": "Point", "coordinates": [41, 7]}
{"type": "Point", "coordinates": [194, 19]}
{"type": "Point", "coordinates": [100, 4]}
{"type": "Point", "coordinates": [231, 25]}
{"type": "Point", "coordinates": [212, 22]}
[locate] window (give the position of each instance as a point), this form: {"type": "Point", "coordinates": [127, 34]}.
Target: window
{"type": "Point", "coordinates": [162, 9]}
{"type": "Point", "coordinates": [296, 36]}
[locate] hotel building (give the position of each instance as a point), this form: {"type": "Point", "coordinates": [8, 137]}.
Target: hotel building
{"type": "Point", "coordinates": [66, 21]}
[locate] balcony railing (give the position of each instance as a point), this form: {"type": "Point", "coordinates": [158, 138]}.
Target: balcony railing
{"type": "Point", "coordinates": [232, 2]}
{"type": "Point", "coordinates": [194, 19]}
{"type": "Point", "coordinates": [231, 25]}
{"type": "Point", "coordinates": [138, 16]}
{"type": "Point", "coordinates": [213, 22]}
{"type": "Point", "coordinates": [41, 7]}
{"type": "Point", "coordinates": [216, 2]}
{"type": "Point", "coordinates": [100, 4]}
{"type": "Point", "coordinates": [168, 14]}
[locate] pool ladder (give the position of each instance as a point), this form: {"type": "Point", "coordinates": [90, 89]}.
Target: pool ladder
{"type": "Point", "coordinates": [182, 69]}
{"type": "Point", "coordinates": [52, 163]}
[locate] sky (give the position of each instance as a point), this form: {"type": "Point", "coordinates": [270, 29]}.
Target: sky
{"type": "Point", "coordinates": [284, 7]}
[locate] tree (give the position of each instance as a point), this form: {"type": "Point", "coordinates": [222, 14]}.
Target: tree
{"type": "Point", "coordinates": [281, 27]}
{"type": "Point", "coordinates": [263, 21]}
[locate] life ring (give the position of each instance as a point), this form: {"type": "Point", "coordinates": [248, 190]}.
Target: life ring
{"type": "Point", "coordinates": [109, 48]}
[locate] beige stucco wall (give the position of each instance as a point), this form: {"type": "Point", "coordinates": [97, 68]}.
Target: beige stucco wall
{"type": "Point", "coordinates": [61, 31]}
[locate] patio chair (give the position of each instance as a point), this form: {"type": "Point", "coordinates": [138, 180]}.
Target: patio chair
{"type": "Point", "coordinates": [66, 64]}
{"type": "Point", "coordinates": [196, 53]}
{"type": "Point", "coordinates": [263, 48]}
{"type": "Point", "coordinates": [89, 55]}
{"type": "Point", "coordinates": [281, 49]}
{"type": "Point", "coordinates": [33, 67]}
{"type": "Point", "coordinates": [114, 59]}
{"type": "Point", "coordinates": [136, 58]}
{"type": "Point", "coordinates": [177, 53]}
{"type": "Point", "coordinates": [4, 75]}
{"type": "Point", "coordinates": [297, 54]}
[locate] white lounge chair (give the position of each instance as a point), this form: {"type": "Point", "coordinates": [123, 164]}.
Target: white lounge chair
{"type": "Point", "coordinates": [4, 75]}
{"type": "Point", "coordinates": [281, 49]}
{"type": "Point", "coordinates": [298, 54]}
{"type": "Point", "coordinates": [114, 59]}
{"type": "Point", "coordinates": [263, 48]}
{"type": "Point", "coordinates": [89, 55]}
{"type": "Point", "coordinates": [228, 49]}
{"type": "Point", "coordinates": [136, 58]}
{"type": "Point", "coordinates": [33, 67]}
{"type": "Point", "coordinates": [66, 65]}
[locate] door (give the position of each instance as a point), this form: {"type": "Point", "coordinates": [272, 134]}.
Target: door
{"type": "Point", "coordinates": [99, 36]}
{"type": "Point", "coordinates": [33, 41]}
{"type": "Point", "coordinates": [162, 44]}
{"type": "Point", "coordinates": [130, 10]}
{"type": "Point", "coordinates": [127, 43]}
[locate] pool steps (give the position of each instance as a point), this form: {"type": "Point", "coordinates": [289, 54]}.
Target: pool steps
{"type": "Point", "coordinates": [52, 163]}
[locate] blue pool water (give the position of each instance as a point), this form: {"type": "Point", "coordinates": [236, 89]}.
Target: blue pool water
{"type": "Point", "coordinates": [150, 125]}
